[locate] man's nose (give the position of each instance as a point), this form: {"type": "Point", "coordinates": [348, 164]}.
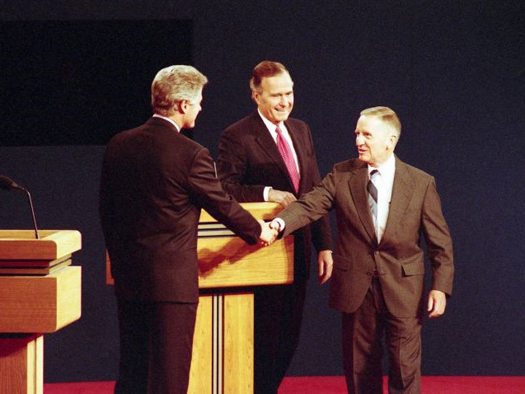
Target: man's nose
{"type": "Point", "coordinates": [359, 140]}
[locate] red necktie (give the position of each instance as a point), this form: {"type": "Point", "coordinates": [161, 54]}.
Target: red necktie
{"type": "Point", "coordinates": [289, 161]}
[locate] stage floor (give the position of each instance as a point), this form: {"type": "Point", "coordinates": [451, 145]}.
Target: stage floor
{"type": "Point", "coordinates": [336, 385]}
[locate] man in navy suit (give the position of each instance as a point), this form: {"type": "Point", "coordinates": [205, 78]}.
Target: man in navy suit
{"type": "Point", "coordinates": [269, 156]}
{"type": "Point", "coordinates": [154, 183]}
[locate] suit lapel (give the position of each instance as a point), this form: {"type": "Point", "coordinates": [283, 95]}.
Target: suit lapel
{"type": "Point", "coordinates": [359, 194]}
{"type": "Point", "coordinates": [401, 196]}
{"type": "Point", "coordinates": [298, 146]}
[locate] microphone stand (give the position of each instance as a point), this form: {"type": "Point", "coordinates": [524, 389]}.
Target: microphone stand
{"type": "Point", "coordinates": [32, 212]}
{"type": "Point", "coordinates": [9, 184]}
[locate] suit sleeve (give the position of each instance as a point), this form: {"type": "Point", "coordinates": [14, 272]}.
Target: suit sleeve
{"type": "Point", "coordinates": [311, 206]}
{"type": "Point", "coordinates": [233, 168]}
{"type": "Point", "coordinates": [210, 195]}
{"type": "Point", "coordinates": [439, 242]}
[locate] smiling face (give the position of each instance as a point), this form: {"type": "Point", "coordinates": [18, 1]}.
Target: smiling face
{"type": "Point", "coordinates": [375, 140]}
{"type": "Point", "coordinates": [274, 97]}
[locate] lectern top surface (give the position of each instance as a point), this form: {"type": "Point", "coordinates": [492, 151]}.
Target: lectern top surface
{"type": "Point", "coordinates": [53, 244]}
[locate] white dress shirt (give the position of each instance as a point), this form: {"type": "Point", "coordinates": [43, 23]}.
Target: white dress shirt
{"type": "Point", "coordinates": [384, 182]}
{"type": "Point", "coordinates": [286, 135]}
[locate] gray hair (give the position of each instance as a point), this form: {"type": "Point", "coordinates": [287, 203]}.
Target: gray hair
{"type": "Point", "coordinates": [387, 116]}
{"type": "Point", "coordinates": [174, 84]}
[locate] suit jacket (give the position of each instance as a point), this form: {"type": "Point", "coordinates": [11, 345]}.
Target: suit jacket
{"type": "Point", "coordinates": [249, 160]}
{"type": "Point", "coordinates": [415, 209]}
{"type": "Point", "coordinates": [154, 183]}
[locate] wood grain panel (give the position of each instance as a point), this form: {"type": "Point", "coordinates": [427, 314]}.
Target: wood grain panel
{"type": "Point", "coordinates": [41, 304]}
{"type": "Point", "coordinates": [53, 244]}
{"type": "Point", "coordinates": [230, 262]}
{"type": "Point", "coordinates": [201, 362]}
{"type": "Point", "coordinates": [238, 344]}
{"type": "Point", "coordinates": [21, 364]}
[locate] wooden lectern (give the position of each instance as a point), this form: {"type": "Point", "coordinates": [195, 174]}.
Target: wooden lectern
{"type": "Point", "coordinates": [40, 292]}
{"type": "Point", "coordinates": [222, 361]}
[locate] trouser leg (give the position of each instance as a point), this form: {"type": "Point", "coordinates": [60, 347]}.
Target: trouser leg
{"type": "Point", "coordinates": [134, 336]}
{"type": "Point", "coordinates": [155, 347]}
{"type": "Point", "coordinates": [362, 350]}
{"type": "Point", "coordinates": [171, 340]}
{"type": "Point", "coordinates": [404, 351]}
{"type": "Point", "coordinates": [278, 317]}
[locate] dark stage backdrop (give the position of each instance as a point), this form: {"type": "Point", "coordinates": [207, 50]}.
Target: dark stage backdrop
{"type": "Point", "coordinates": [452, 70]}
{"type": "Point", "coordinates": [80, 82]}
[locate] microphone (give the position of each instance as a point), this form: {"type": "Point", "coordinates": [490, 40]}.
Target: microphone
{"type": "Point", "coordinates": [9, 184]}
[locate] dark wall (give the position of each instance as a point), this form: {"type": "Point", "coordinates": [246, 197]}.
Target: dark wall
{"type": "Point", "coordinates": [454, 73]}
{"type": "Point", "coordinates": [87, 65]}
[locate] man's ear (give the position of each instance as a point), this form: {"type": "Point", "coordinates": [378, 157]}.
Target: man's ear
{"type": "Point", "coordinates": [181, 107]}
{"type": "Point", "coordinates": [392, 141]}
{"type": "Point", "coordinates": [255, 96]}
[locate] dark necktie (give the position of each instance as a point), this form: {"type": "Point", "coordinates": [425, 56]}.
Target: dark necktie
{"type": "Point", "coordinates": [371, 187]}
{"type": "Point", "coordinates": [289, 161]}
{"type": "Point", "coordinates": [372, 192]}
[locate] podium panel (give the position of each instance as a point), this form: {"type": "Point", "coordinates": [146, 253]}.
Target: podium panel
{"type": "Point", "coordinates": [223, 343]}
{"type": "Point", "coordinates": [42, 304]}
{"type": "Point", "coordinates": [20, 245]}
{"type": "Point", "coordinates": [222, 360]}
{"type": "Point", "coordinates": [40, 292]}
{"type": "Point", "coordinates": [21, 363]}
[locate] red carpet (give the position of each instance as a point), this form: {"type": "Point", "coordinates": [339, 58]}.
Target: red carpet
{"type": "Point", "coordinates": [336, 385]}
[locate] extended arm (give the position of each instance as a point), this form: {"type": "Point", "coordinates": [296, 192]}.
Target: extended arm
{"type": "Point", "coordinates": [207, 190]}
{"type": "Point", "coordinates": [310, 207]}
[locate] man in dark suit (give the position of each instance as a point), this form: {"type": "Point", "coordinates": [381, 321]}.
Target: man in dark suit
{"type": "Point", "coordinates": [268, 156]}
{"type": "Point", "coordinates": [382, 206]}
{"type": "Point", "coordinates": [154, 183]}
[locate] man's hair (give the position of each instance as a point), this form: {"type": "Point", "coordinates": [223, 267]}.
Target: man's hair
{"type": "Point", "coordinates": [387, 116]}
{"type": "Point", "coordinates": [174, 84]}
{"type": "Point", "coordinates": [265, 69]}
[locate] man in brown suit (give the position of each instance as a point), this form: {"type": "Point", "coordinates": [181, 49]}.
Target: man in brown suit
{"type": "Point", "coordinates": [382, 206]}
{"type": "Point", "coordinates": [154, 183]}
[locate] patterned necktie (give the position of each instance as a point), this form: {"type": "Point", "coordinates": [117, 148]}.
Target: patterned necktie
{"type": "Point", "coordinates": [289, 161]}
{"type": "Point", "coordinates": [372, 192]}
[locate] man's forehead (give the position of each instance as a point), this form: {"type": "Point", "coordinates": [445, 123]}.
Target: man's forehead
{"type": "Point", "coordinates": [277, 82]}
{"type": "Point", "coordinates": [369, 123]}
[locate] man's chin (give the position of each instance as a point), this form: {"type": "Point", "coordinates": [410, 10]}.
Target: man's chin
{"type": "Point", "coordinates": [281, 117]}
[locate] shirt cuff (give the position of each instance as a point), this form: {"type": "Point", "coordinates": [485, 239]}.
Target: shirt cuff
{"type": "Point", "coordinates": [281, 223]}
{"type": "Point", "coordinates": [266, 192]}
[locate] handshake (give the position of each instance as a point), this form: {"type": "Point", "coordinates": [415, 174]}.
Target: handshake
{"type": "Point", "coordinates": [269, 232]}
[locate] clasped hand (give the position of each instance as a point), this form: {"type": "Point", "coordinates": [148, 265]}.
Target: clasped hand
{"type": "Point", "coordinates": [268, 234]}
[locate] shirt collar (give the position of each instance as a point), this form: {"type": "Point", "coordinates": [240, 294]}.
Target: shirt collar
{"type": "Point", "coordinates": [270, 125]}
{"type": "Point", "coordinates": [168, 120]}
{"type": "Point", "coordinates": [387, 168]}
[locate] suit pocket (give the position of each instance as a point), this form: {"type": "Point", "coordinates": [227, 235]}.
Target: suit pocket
{"type": "Point", "coordinates": [341, 263]}
{"type": "Point", "coordinates": [413, 267]}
